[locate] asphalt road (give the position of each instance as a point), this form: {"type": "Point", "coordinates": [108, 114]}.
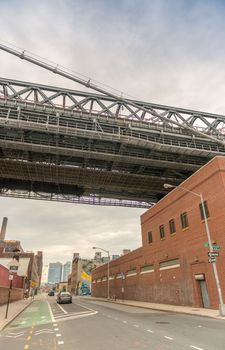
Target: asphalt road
{"type": "Point", "coordinates": [95, 325]}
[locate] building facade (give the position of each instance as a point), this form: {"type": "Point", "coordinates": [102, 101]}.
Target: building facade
{"type": "Point", "coordinates": [173, 266]}
{"type": "Point", "coordinates": [79, 281]}
{"type": "Point", "coordinates": [17, 290]}
{"type": "Point", "coordinates": [66, 271]}
{"type": "Point", "coordinates": [28, 268]}
{"type": "Point", "coordinates": [55, 272]}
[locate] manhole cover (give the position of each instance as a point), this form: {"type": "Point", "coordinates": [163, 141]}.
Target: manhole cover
{"type": "Point", "coordinates": [162, 322]}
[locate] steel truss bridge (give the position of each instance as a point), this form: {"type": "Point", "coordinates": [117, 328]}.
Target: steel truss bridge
{"type": "Point", "coordinates": [66, 145]}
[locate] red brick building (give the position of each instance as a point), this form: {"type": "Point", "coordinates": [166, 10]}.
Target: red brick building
{"type": "Point", "coordinates": [17, 286]}
{"type": "Point", "coordinates": [172, 264]}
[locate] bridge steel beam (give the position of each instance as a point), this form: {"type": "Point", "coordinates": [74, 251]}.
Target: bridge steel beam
{"type": "Point", "coordinates": [97, 149]}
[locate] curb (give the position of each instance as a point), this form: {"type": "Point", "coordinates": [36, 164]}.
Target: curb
{"type": "Point", "coordinates": [155, 308]}
{"type": "Point", "coordinates": [7, 322]}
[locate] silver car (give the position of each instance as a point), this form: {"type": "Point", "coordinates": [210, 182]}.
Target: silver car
{"type": "Point", "coordinates": [64, 297]}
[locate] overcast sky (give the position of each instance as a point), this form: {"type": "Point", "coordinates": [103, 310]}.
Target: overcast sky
{"type": "Point", "coordinates": [167, 52]}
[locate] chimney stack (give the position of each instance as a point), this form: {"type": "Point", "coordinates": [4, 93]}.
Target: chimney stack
{"type": "Point", "coordinates": [3, 229]}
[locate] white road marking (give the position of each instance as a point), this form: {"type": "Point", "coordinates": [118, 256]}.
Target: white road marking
{"type": "Point", "coordinates": [69, 315]}
{"type": "Point", "coordinates": [58, 335]}
{"type": "Point", "coordinates": [12, 333]}
{"type": "Point", "coordinates": [58, 313]}
{"type": "Point", "coordinates": [86, 307]}
{"type": "Point", "coordinates": [165, 336]}
{"type": "Point", "coordinates": [195, 347]}
{"type": "Point", "coordinates": [14, 336]}
{"type": "Point", "coordinates": [56, 329]}
{"type": "Point", "coordinates": [150, 331]}
{"type": "Point", "coordinates": [60, 342]}
{"type": "Point", "coordinates": [199, 326]}
{"type": "Point", "coordinates": [72, 317]}
{"type": "Point", "coordinates": [124, 321]}
{"type": "Point", "coordinates": [50, 311]}
{"type": "Point", "coordinates": [65, 312]}
{"type": "Point", "coordinates": [55, 325]}
{"type": "Point", "coordinates": [136, 325]}
{"type": "Point", "coordinates": [42, 332]}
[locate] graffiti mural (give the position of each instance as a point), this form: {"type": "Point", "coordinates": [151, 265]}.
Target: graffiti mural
{"type": "Point", "coordinates": [85, 278]}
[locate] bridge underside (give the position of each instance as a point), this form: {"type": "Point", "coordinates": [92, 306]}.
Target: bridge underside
{"type": "Point", "coordinates": [80, 155]}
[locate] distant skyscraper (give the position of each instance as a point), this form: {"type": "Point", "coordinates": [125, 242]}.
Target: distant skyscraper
{"type": "Point", "coordinates": [66, 271]}
{"type": "Point", "coordinates": [55, 272]}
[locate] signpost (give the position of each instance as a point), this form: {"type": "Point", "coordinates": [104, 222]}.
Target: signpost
{"type": "Point", "coordinates": [123, 290]}
{"type": "Point", "coordinates": [13, 268]}
{"type": "Point", "coordinates": [216, 247]}
{"type": "Point", "coordinates": [213, 254]}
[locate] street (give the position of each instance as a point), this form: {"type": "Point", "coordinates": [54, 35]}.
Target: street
{"type": "Point", "coordinates": [89, 324]}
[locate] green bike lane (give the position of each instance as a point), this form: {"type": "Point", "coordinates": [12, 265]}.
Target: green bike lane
{"type": "Point", "coordinates": [33, 329]}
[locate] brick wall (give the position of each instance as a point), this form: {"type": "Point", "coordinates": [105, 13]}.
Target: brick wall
{"type": "Point", "coordinates": [176, 284]}
{"type": "Point", "coordinates": [17, 286]}
{"type": "Point", "coordinates": [16, 294]}
{"type": "Point", "coordinates": [4, 278]}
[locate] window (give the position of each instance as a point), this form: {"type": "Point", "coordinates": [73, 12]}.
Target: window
{"type": "Point", "coordinates": [206, 210]}
{"type": "Point", "coordinates": [169, 264]}
{"type": "Point", "coordinates": [131, 272]}
{"type": "Point", "coordinates": [147, 268]}
{"type": "Point", "coordinates": [172, 226]}
{"type": "Point", "coordinates": [184, 220]}
{"type": "Point", "coordinates": [150, 237]}
{"type": "Point", "coordinates": [162, 231]}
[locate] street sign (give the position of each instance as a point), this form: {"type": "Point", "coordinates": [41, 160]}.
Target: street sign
{"type": "Point", "coordinates": [213, 254]}
{"type": "Point", "coordinates": [211, 260]}
{"type": "Point", "coordinates": [10, 277]}
{"type": "Point", "coordinates": [13, 269]}
{"type": "Point", "coordinates": [216, 247]}
{"type": "Point", "coordinates": [33, 283]}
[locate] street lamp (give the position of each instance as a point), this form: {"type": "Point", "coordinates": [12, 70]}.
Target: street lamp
{"type": "Point", "coordinates": [106, 251]}
{"type": "Point", "coordinates": [221, 304]}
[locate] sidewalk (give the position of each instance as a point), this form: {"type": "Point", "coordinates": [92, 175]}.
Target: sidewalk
{"type": "Point", "coordinates": [14, 310]}
{"type": "Point", "coordinates": [164, 307]}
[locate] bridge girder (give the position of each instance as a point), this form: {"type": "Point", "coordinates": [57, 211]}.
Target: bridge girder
{"type": "Point", "coordinates": [100, 145]}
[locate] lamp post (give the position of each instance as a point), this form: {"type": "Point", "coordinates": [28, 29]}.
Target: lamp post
{"type": "Point", "coordinates": [218, 287]}
{"type": "Point", "coordinates": [106, 251]}
{"type": "Point", "coordinates": [123, 278]}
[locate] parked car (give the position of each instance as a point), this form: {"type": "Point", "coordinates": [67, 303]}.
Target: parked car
{"type": "Point", "coordinates": [51, 293]}
{"type": "Point", "coordinates": [64, 297]}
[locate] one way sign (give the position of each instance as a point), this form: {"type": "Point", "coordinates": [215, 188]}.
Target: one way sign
{"type": "Point", "coordinates": [213, 254]}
